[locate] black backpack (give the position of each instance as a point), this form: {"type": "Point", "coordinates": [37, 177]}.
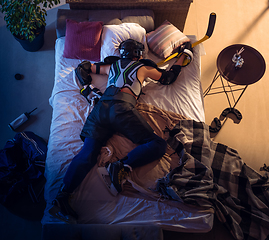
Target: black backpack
{"type": "Point", "coordinates": [22, 164]}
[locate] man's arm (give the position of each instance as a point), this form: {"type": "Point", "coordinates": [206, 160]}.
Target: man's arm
{"type": "Point", "coordinates": [84, 70]}
{"type": "Point", "coordinates": [165, 77]}
{"type": "Point", "coordinates": [102, 69]}
{"type": "Point", "coordinates": [168, 77]}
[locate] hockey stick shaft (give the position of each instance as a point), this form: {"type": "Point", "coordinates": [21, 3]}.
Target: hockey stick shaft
{"type": "Point", "coordinates": [210, 29]}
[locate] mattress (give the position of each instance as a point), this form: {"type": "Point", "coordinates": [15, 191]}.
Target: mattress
{"type": "Point", "coordinates": [139, 203]}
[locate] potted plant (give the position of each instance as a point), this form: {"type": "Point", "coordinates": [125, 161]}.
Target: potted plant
{"type": "Point", "coordinates": [26, 20]}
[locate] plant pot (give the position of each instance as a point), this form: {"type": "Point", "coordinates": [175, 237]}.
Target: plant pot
{"type": "Point", "coordinates": [36, 44]}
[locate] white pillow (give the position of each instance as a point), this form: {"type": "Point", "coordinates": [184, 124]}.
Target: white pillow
{"type": "Point", "coordinates": [113, 35]}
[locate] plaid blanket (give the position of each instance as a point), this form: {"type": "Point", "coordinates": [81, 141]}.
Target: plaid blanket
{"type": "Point", "coordinates": [213, 175]}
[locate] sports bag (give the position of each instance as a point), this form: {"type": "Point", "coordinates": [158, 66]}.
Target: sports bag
{"type": "Point", "coordinates": [22, 162]}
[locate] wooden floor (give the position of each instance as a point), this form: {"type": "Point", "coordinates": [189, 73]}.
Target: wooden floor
{"type": "Point", "coordinates": [238, 22]}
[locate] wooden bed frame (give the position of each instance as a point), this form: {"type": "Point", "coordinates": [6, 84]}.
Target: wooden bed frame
{"type": "Point", "coordinates": [174, 11]}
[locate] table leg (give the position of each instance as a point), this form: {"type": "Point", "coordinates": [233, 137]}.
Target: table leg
{"type": "Point", "coordinates": [210, 86]}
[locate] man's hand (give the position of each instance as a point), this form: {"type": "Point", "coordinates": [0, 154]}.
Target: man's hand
{"type": "Point", "coordinates": [186, 51]}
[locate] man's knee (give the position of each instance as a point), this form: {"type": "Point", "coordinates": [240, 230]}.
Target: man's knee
{"type": "Point", "coordinates": [161, 146]}
{"type": "Point", "coordinates": [158, 145]}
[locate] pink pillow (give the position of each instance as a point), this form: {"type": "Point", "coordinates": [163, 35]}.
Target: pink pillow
{"type": "Point", "coordinates": [164, 39]}
{"type": "Point", "coordinates": [83, 40]}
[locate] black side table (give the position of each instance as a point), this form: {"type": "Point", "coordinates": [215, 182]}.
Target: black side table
{"type": "Point", "coordinates": [235, 78]}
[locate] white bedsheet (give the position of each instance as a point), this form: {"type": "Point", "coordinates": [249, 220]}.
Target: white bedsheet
{"type": "Point", "coordinates": [92, 200]}
{"type": "Point", "coordinates": [185, 95]}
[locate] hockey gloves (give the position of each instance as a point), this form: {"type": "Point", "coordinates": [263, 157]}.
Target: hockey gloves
{"type": "Point", "coordinates": [187, 50]}
{"type": "Point", "coordinates": [83, 73]}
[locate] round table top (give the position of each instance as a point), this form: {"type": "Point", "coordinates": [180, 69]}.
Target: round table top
{"type": "Point", "coordinates": [252, 70]}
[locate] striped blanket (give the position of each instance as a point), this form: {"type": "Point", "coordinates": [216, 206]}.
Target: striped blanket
{"type": "Point", "coordinates": [213, 175]}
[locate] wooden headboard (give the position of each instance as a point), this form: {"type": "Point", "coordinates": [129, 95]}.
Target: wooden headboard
{"type": "Point", "coordinates": [174, 11]}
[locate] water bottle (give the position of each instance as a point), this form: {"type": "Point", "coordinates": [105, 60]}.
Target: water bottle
{"type": "Point", "coordinates": [20, 120]}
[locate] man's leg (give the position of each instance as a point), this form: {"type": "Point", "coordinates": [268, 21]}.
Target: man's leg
{"type": "Point", "coordinates": [149, 150]}
{"type": "Point", "coordinates": [131, 124]}
{"type": "Point", "coordinates": [152, 148]}
{"type": "Point", "coordinates": [81, 164]}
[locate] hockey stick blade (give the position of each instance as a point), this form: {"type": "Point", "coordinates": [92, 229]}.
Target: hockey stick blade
{"type": "Point", "coordinates": [210, 29]}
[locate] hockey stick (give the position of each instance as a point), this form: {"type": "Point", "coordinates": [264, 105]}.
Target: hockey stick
{"type": "Point", "coordinates": [210, 29]}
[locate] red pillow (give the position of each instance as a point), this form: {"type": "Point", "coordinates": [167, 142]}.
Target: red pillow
{"type": "Point", "coordinates": [83, 40]}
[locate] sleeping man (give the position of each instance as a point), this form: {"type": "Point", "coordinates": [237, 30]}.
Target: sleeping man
{"type": "Point", "coordinates": [114, 113]}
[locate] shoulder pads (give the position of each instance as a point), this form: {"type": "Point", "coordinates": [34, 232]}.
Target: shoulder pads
{"type": "Point", "coordinates": [107, 61]}
{"type": "Point", "coordinates": [148, 62]}
{"type": "Point", "coordinates": [111, 59]}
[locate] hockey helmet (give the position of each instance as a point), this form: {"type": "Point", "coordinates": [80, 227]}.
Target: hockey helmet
{"type": "Point", "coordinates": [131, 48]}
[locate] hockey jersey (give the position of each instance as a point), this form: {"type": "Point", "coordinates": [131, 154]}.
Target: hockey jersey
{"type": "Point", "coordinates": [123, 73]}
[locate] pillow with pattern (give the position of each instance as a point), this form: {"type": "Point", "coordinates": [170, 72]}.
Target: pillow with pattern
{"type": "Point", "coordinates": [165, 39]}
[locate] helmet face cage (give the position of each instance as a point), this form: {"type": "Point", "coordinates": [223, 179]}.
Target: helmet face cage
{"type": "Point", "coordinates": [131, 49]}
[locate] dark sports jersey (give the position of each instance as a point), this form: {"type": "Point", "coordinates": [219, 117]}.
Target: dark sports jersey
{"type": "Point", "coordinates": [123, 73]}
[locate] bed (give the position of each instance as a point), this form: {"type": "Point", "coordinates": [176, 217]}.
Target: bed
{"type": "Point", "coordinates": [148, 203]}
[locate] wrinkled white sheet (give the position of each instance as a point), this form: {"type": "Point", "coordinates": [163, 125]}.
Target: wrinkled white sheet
{"type": "Point", "coordinates": [92, 200]}
{"type": "Point", "coordinates": [184, 96]}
